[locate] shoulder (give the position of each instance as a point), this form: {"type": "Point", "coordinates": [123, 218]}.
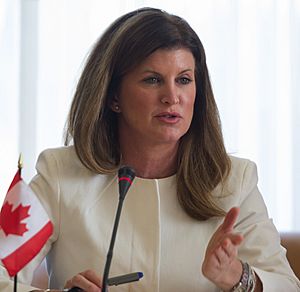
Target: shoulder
{"type": "Point", "coordinates": [64, 158]}
{"type": "Point", "coordinates": [241, 181]}
{"type": "Point", "coordinates": [62, 171]}
{"type": "Point", "coordinates": [243, 171]}
{"type": "Point", "coordinates": [66, 153]}
{"type": "Point", "coordinates": [63, 165]}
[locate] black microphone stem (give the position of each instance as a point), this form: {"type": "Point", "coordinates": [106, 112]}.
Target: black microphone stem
{"type": "Point", "coordinates": [111, 246]}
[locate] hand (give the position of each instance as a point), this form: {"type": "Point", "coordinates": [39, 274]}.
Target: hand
{"type": "Point", "coordinates": [221, 265]}
{"type": "Point", "coordinates": [88, 281]}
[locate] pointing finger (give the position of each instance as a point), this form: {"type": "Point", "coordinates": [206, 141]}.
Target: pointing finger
{"type": "Point", "coordinates": [230, 219]}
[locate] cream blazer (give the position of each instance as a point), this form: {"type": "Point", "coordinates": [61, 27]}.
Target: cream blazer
{"type": "Point", "coordinates": [155, 235]}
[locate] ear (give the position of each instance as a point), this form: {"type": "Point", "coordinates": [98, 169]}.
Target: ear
{"type": "Point", "coordinates": [115, 107]}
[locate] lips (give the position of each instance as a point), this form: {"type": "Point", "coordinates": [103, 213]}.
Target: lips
{"type": "Point", "coordinates": [168, 115]}
{"type": "Point", "coordinates": [169, 118]}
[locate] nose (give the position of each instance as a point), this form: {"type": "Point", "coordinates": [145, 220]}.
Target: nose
{"type": "Point", "coordinates": [170, 94]}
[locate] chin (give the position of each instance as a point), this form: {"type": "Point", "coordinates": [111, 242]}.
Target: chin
{"type": "Point", "coordinates": [170, 139]}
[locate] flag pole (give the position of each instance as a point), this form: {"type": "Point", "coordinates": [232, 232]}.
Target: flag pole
{"type": "Point", "coordinates": [20, 165]}
{"type": "Point", "coordinates": [15, 282]}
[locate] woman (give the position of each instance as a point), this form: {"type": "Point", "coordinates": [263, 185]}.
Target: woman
{"type": "Point", "coordinates": [145, 100]}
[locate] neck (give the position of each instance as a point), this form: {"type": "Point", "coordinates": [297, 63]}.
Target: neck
{"type": "Point", "coordinates": [150, 161]}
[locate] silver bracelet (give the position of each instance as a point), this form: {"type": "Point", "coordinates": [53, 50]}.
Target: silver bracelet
{"type": "Point", "coordinates": [247, 281]}
{"type": "Point", "coordinates": [252, 280]}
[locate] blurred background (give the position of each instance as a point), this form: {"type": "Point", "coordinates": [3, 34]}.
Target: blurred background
{"type": "Point", "coordinates": [253, 55]}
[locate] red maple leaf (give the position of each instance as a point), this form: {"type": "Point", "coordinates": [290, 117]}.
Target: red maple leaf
{"type": "Point", "coordinates": [10, 221]}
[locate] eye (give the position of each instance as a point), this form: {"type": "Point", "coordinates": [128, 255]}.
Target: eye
{"type": "Point", "coordinates": [152, 80]}
{"type": "Point", "coordinates": [184, 80]}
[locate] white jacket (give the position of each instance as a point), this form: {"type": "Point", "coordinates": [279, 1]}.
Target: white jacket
{"type": "Point", "coordinates": [155, 235]}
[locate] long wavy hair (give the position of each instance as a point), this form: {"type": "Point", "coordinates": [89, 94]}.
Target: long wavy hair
{"type": "Point", "coordinates": [92, 126]}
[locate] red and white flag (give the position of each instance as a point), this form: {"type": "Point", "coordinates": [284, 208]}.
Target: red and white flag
{"type": "Point", "coordinates": [24, 226]}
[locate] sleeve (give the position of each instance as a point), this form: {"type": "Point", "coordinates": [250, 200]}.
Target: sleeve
{"type": "Point", "coordinates": [261, 246]}
{"type": "Point", "coordinates": [46, 187]}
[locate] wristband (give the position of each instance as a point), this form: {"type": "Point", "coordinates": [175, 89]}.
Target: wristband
{"type": "Point", "coordinates": [247, 281]}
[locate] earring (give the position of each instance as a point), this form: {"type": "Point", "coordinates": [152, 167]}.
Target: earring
{"type": "Point", "coordinates": [117, 108]}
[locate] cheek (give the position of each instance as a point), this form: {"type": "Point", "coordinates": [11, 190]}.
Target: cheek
{"type": "Point", "coordinates": [136, 107]}
{"type": "Point", "coordinates": [190, 104]}
{"type": "Point", "coordinates": [136, 110]}
{"type": "Point", "coordinates": [137, 101]}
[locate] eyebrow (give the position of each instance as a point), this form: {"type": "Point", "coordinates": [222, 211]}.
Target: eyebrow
{"type": "Point", "coordinates": [155, 72]}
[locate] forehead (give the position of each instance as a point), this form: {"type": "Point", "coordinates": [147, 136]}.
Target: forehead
{"type": "Point", "coordinates": [167, 59]}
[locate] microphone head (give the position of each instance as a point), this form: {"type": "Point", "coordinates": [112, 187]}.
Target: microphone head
{"type": "Point", "coordinates": [126, 176]}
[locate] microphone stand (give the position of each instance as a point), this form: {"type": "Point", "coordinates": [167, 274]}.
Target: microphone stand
{"type": "Point", "coordinates": [112, 243]}
{"type": "Point", "coordinates": [126, 176]}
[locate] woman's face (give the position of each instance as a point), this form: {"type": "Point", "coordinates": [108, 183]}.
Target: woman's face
{"type": "Point", "coordinates": [156, 99]}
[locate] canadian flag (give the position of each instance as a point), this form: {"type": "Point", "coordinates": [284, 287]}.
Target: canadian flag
{"type": "Point", "coordinates": [24, 226]}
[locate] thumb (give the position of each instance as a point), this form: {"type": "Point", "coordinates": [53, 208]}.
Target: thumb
{"type": "Point", "coordinates": [230, 219]}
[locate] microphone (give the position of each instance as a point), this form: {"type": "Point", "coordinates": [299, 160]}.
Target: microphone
{"type": "Point", "coordinates": [126, 176]}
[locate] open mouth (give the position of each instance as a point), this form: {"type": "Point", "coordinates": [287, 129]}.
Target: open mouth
{"type": "Point", "coordinates": [169, 117]}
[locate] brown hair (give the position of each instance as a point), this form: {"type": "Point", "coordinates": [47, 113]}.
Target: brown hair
{"type": "Point", "coordinates": [202, 159]}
